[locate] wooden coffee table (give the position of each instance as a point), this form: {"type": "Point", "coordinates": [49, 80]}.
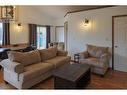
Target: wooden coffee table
{"type": "Point", "coordinates": [72, 76]}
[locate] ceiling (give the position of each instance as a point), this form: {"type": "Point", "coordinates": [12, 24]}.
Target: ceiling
{"type": "Point", "coordinates": [57, 12]}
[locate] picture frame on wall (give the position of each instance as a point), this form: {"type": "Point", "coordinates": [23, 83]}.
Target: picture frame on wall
{"type": "Point", "coordinates": [7, 12]}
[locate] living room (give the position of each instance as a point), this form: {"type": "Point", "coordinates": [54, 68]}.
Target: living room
{"type": "Point", "coordinates": [67, 31]}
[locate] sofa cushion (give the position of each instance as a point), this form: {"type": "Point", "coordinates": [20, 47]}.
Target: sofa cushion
{"type": "Point", "coordinates": [59, 60]}
{"type": "Point", "coordinates": [93, 62]}
{"type": "Point", "coordinates": [62, 53]}
{"type": "Point", "coordinates": [26, 58]}
{"type": "Point", "coordinates": [35, 70]}
{"type": "Point", "coordinates": [96, 51]}
{"type": "Point", "coordinates": [48, 53]}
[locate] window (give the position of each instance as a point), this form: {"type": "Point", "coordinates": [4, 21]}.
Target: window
{"type": "Point", "coordinates": [59, 34]}
{"type": "Point", "coordinates": [41, 37]}
{"type": "Point", "coordinates": [1, 33]}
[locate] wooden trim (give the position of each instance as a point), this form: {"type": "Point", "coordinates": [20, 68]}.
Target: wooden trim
{"type": "Point", "coordinates": [59, 26]}
{"type": "Point", "coordinates": [112, 43]}
{"type": "Point", "coordinates": [66, 35]}
{"type": "Point", "coordinates": [119, 16]}
{"type": "Point", "coordinates": [42, 25]}
{"type": "Point", "coordinates": [113, 17]}
{"type": "Point", "coordinates": [87, 9]}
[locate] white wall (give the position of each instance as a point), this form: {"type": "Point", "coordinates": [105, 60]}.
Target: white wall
{"type": "Point", "coordinates": [99, 32]}
{"type": "Point", "coordinates": [59, 22]}
{"type": "Point", "coordinates": [19, 35]}
{"type": "Point", "coordinates": [27, 14]}
{"type": "Point", "coordinates": [52, 34]}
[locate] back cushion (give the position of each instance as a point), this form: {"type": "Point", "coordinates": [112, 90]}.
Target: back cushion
{"type": "Point", "coordinates": [96, 51]}
{"type": "Point", "coordinates": [26, 58]}
{"type": "Point", "coordinates": [48, 53]}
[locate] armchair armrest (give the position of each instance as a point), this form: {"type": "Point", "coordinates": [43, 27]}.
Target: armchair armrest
{"type": "Point", "coordinates": [62, 53]}
{"type": "Point", "coordinates": [12, 66]}
{"type": "Point", "coordinates": [83, 55]}
{"type": "Point", "coordinates": [104, 57]}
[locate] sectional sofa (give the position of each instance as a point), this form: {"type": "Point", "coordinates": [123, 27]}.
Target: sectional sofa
{"type": "Point", "coordinates": [24, 70]}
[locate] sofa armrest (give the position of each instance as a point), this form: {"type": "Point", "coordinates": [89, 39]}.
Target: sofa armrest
{"type": "Point", "coordinates": [62, 53]}
{"type": "Point", "coordinates": [83, 55]}
{"type": "Point", "coordinates": [12, 66]}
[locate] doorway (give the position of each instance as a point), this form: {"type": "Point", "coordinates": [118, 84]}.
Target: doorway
{"type": "Point", "coordinates": [119, 43]}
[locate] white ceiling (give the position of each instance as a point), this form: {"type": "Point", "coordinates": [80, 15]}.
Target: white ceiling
{"type": "Point", "coordinates": [57, 12]}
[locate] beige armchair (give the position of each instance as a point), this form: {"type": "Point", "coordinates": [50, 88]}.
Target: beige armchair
{"type": "Point", "coordinates": [97, 57]}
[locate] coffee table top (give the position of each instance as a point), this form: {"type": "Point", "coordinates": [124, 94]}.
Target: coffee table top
{"type": "Point", "coordinates": [71, 72]}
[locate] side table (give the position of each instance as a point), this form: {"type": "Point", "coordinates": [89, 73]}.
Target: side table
{"type": "Point", "coordinates": [76, 57]}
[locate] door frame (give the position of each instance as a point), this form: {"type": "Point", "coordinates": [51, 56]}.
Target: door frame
{"type": "Point", "coordinates": [113, 17]}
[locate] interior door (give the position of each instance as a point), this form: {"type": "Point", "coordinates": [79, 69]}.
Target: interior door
{"type": "Point", "coordinates": [120, 43]}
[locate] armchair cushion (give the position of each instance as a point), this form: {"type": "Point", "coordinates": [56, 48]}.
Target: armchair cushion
{"type": "Point", "coordinates": [12, 66]}
{"type": "Point", "coordinates": [93, 62]}
{"type": "Point", "coordinates": [26, 58]}
{"type": "Point", "coordinates": [96, 51]}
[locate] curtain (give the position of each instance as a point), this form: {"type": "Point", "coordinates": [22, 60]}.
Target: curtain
{"type": "Point", "coordinates": [33, 34]}
{"type": "Point", "coordinates": [47, 35]}
{"type": "Point", "coordinates": [6, 34]}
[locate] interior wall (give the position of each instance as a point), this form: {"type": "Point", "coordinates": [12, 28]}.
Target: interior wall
{"type": "Point", "coordinates": [98, 32]}
{"type": "Point", "coordinates": [27, 14]}
{"type": "Point", "coordinates": [19, 34]}
{"type": "Point", "coordinates": [59, 22]}
{"type": "Point", "coordinates": [52, 34]}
